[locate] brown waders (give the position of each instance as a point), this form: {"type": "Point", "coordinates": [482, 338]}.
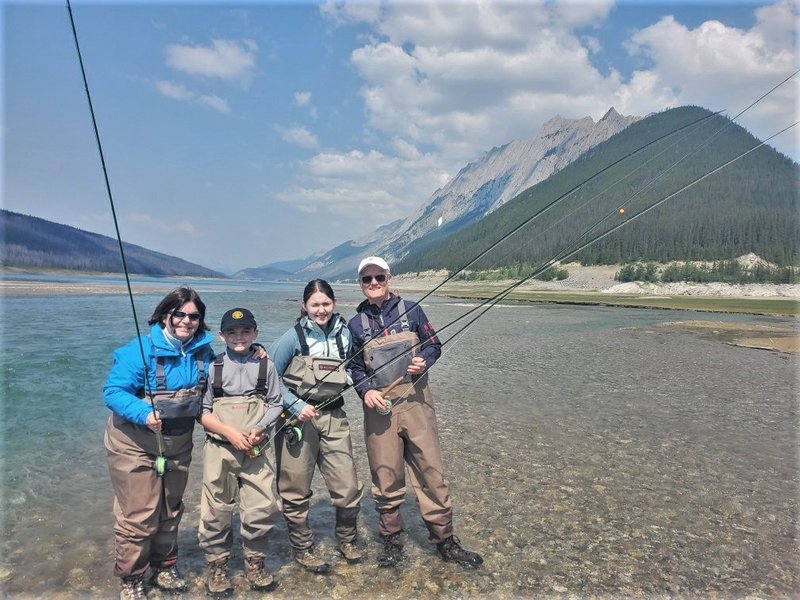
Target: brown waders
{"type": "Point", "coordinates": [147, 508]}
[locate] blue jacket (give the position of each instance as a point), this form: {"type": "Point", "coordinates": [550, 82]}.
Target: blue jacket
{"type": "Point", "coordinates": [126, 378]}
{"type": "Point", "coordinates": [286, 347]}
{"type": "Point", "coordinates": [385, 320]}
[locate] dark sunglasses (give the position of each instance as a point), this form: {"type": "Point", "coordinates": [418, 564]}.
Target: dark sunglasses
{"type": "Point", "coordinates": [178, 314]}
{"type": "Point", "coordinates": [368, 278]}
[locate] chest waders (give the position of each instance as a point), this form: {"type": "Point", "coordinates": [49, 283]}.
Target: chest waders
{"type": "Point", "coordinates": [317, 380]}
{"type": "Point", "coordinates": [241, 412]}
{"type": "Point", "coordinates": [178, 409]}
{"type": "Point", "coordinates": [387, 373]}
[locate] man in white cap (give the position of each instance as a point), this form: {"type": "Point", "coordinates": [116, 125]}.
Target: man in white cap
{"type": "Point", "coordinates": [385, 328]}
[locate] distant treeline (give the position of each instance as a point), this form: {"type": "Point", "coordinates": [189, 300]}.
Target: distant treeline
{"type": "Point", "coordinates": [725, 271]}
{"type": "Point", "coordinates": [750, 206]}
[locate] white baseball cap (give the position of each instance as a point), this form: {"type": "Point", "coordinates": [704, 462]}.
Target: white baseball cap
{"type": "Point", "coordinates": [373, 260]}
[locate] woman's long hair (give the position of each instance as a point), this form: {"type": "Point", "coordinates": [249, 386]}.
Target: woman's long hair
{"type": "Point", "coordinates": [173, 301]}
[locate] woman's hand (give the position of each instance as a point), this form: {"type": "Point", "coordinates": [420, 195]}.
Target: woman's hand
{"type": "Point", "coordinates": [154, 422]}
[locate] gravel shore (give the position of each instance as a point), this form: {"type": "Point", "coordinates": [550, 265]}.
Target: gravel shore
{"type": "Point", "coordinates": [601, 279]}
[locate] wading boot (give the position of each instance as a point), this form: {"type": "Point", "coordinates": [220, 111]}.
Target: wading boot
{"type": "Point", "coordinates": [392, 553]}
{"type": "Point", "coordinates": [169, 580]}
{"type": "Point", "coordinates": [311, 562]}
{"type": "Point", "coordinates": [451, 550]}
{"type": "Point", "coordinates": [259, 578]}
{"type": "Point", "coordinates": [132, 588]}
{"type": "Point", "coordinates": [218, 582]}
{"type": "Point", "coordinates": [351, 552]}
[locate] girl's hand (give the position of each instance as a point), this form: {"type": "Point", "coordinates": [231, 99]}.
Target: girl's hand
{"type": "Point", "coordinates": [308, 413]}
{"type": "Point", "coordinates": [256, 436]}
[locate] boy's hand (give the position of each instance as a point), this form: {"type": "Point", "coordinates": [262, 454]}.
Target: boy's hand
{"type": "Point", "coordinates": [239, 439]}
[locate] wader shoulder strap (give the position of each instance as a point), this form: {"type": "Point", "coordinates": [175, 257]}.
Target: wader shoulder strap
{"type": "Point", "coordinates": [401, 308]}
{"type": "Point", "coordinates": [202, 376]}
{"type": "Point", "coordinates": [404, 325]}
{"type": "Point", "coordinates": [365, 326]}
{"type": "Point", "coordinates": [202, 379]}
{"type": "Point", "coordinates": [261, 384]}
{"type": "Point", "coordinates": [161, 379]}
{"type": "Point", "coordinates": [340, 344]}
{"type": "Point", "coordinates": [219, 360]}
{"type": "Point", "coordinates": [305, 350]}
{"type": "Point", "coordinates": [302, 337]}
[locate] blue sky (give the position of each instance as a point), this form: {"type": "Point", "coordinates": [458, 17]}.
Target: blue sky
{"type": "Point", "coordinates": [240, 135]}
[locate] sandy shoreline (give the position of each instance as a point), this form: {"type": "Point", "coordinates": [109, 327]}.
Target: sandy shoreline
{"type": "Point", "coordinates": [596, 279]}
{"type": "Point", "coordinates": [600, 279]}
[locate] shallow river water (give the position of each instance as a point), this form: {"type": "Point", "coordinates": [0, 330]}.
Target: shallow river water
{"type": "Point", "coordinates": [589, 455]}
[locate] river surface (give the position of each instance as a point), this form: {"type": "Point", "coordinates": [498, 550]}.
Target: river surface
{"type": "Point", "coordinates": [589, 455]}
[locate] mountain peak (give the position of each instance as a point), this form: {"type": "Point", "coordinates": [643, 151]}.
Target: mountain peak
{"type": "Point", "coordinates": [611, 115]}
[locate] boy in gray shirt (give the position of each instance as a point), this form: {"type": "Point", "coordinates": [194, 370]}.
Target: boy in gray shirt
{"type": "Point", "coordinates": [243, 399]}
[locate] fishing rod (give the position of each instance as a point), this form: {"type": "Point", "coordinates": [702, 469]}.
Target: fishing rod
{"type": "Point", "coordinates": [536, 215]}
{"type": "Point", "coordinates": [606, 168]}
{"type": "Point", "coordinates": [572, 249]}
{"type": "Point", "coordinates": [160, 464]}
{"type": "Point", "coordinates": [652, 184]}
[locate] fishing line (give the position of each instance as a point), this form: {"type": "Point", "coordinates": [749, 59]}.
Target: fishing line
{"type": "Point", "coordinates": [562, 255]}
{"type": "Point", "coordinates": [160, 465]}
{"type": "Point", "coordinates": [566, 253]}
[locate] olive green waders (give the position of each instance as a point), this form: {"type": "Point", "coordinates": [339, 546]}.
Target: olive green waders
{"type": "Point", "coordinates": [325, 443]}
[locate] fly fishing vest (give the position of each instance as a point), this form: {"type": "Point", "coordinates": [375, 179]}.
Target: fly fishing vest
{"type": "Point", "coordinates": [178, 409]}
{"type": "Point", "coordinates": [388, 357]}
{"type": "Point", "coordinates": [241, 412]}
{"type": "Point", "coordinates": [317, 380]}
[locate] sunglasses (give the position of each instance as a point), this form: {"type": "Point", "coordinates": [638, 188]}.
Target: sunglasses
{"type": "Point", "coordinates": [178, 314]}
{"type": "Point", "coordinates": [368, 278]}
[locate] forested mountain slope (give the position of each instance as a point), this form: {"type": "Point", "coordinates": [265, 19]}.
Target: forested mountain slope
{"type": "Point", "coordinates": [750, 206]}
{"type": "Point", "coordinates": [31, 242]}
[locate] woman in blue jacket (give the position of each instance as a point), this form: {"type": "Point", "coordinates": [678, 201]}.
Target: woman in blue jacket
{"type": "Point", "coordinates": [316, 346]}
{"type": "Point", "coordinates": [149, 450]}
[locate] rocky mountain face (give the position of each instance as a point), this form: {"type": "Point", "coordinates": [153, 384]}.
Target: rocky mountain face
{"type": "Point", "coordinates": [478, 189]}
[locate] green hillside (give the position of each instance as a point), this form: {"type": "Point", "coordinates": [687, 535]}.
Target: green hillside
{"type": "Point", "coordinates": [750, 206]}
{"type": "Point", "coordinates": [31, 242]}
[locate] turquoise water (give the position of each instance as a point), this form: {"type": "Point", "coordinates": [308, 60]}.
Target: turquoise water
{"type": "Point", "coordinates": [539, 407]}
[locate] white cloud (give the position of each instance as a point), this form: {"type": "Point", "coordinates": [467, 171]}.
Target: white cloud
{"type": "Point", "coordinates": [722, 67]}
{"type": "Point", "coordinates": [457, 78]}
{"type": "Point", "coordinates": [302, 98]}
{"type": "Point", "coordinates": [178, 91]}
{"type": "Point", "coordinates": [223, 59]}
{"type": "Point", "coordinates": [174, 90]}
{"type": "Point", "coordinates": [299, 136]}
{"type": "Point", "coordinates": [381, 187]}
